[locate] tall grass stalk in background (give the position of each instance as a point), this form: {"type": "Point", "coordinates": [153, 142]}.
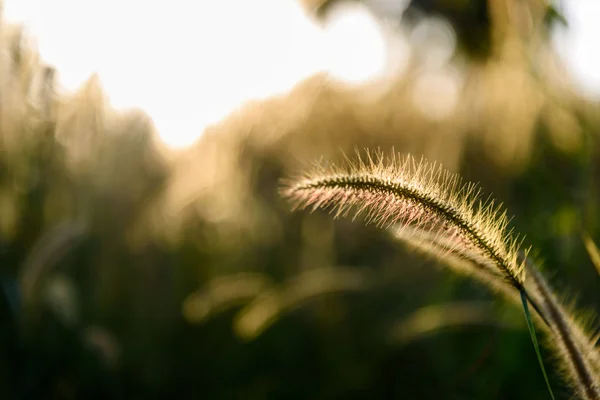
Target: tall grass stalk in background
{"type": "Point", "coordinates": [434, 211]}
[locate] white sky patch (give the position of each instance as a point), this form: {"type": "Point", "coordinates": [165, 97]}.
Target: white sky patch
{"type": "Point", "coordinates": [189, 64]}
{"type": "Point", "coordinates": [579, 44]}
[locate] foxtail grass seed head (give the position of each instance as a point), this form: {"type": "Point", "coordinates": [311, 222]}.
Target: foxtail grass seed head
{"type": "Point", "coordinates": [574, 347]}
{"type": "Point", "coordinates": [419, 197]}
{"type": "Point", "coordinates": [436, 213]}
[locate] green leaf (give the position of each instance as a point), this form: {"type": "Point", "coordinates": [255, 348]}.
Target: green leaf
{"type": "Point", "coordinates": [534, 339]}
{"type": "Point", "coordinates": [553, 14]}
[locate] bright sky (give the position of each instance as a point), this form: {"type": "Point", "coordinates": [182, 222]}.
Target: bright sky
{"type": "Point", "coordinates": [191, 63]}
{"type": "Point", "coordinates": [579, 44]}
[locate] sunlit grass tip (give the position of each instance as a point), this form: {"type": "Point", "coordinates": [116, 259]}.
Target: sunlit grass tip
{"type": "Point", "coordinates": [410, 194]}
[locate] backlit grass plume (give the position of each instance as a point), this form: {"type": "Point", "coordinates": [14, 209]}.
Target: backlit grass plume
{"type": "Point", "coordinates": [435, 212]}
{"type": "Point", "coordinates": [419, 197]}
{"type": "Point", "coordinates": [569, 339]}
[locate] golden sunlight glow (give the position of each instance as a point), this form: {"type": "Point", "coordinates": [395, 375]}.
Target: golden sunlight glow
{"type": "Point", "coordinates": [189, 64]}
{"type": "Point", "coordinates": [356, 43]}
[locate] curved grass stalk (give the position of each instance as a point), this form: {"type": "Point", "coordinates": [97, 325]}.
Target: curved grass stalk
{"type": "Point", "coordinates": [417, 195]}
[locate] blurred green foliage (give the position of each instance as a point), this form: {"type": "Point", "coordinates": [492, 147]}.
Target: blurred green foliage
{"type": "Point", "coordinates": [130, 272]}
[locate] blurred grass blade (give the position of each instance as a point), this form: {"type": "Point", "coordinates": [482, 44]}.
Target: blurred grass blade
{"type": "Point", "coordinates": [268, 307]}
{"type": "Point", "coordinates": [430, 319]}
{"type": "Point", "coordinates": [534, 340]}
{"type": "Point", "coordinates": [592, 250]}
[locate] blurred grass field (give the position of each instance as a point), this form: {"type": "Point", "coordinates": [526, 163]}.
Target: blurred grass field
{"type": "Point", "coordinates": [129, 270]}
